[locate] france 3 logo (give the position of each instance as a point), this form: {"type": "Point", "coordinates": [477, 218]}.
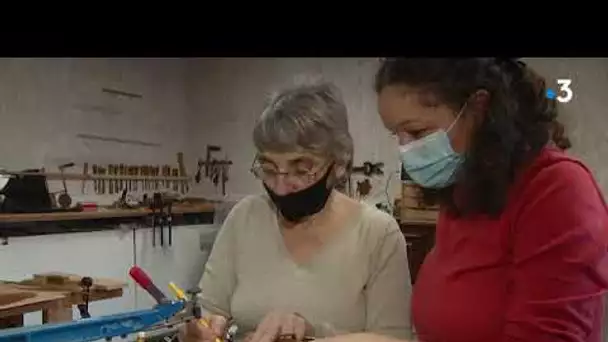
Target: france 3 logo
{"type": "Point", "coordinates": [564, 93]}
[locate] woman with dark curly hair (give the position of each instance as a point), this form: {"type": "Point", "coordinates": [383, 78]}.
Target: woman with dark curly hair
{"type": "Point", "coordinates": [521, 248]}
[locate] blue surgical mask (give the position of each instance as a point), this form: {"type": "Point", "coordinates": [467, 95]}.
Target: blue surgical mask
{"type": "Point", "coordinates": [431, 162]}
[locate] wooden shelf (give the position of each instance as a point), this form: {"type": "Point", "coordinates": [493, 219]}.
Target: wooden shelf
{"type": "Point", "coordinates": [101, 214]}
{"type": "Point", "coordinates": [81, 177]}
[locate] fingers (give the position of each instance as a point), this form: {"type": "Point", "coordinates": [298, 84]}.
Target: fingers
{"type": "Point", "coordinates": [218, 324]}
{"type": "Point", "coordinates": [299, 328]}
{"type": "Point", "coordinates": [196, 331]}
{"type": "Point", "coordinates": [268, 329]}
{"type": "Point", "coordinates": [248, 337]}
{"type": "Point", "coordinates": [275, 324]}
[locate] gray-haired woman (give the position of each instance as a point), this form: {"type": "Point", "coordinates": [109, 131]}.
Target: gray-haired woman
{"type": "Point", "coordinates": [305, 259]}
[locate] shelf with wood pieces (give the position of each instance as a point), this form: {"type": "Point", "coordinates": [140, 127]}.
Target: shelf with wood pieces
{"type": "Point", "coordinates": [102, 214]}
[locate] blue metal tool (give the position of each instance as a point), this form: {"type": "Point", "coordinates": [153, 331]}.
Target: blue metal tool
{"type": "Point", "coordinates": [91, 329]}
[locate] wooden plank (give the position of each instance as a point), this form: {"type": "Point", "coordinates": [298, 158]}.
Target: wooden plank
{"type": "Point", "coordinates": [73, 281]}
{"type": "Point", "coordinates": [73, 295]}
{"type": "Point", "coordinates": [100, 214]}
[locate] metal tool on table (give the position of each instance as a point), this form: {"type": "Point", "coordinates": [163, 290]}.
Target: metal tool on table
{"type": "Point", "coordinates": [83, 308]}
{"type": "Point", "coordinates": [64, 198]}
{"type": "Point", "coordinates": [197, 312]}
{"type": "Point", "coordinates": [104, 327]}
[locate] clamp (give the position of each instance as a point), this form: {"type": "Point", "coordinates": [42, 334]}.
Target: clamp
{"type": "Point", "coordinates": [197, 312]}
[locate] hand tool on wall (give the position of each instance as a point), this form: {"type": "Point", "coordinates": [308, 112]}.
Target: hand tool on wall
{"type": "Point", "coordinates": [197, 176]}
{"type": "Point", "coordinates": [157, 174]}
{"type": "Point", "coordinates": [364, 187]}
{"type": "Point", "coordinates": [110, 181]}
{"type": "Point", "coordinates": [95, 182]}
{"type": "Point", "coordinates": [167, 173]}
{"type": "Point", "coordinates": [103, 171]}
{"type": "Point", "coordinates": [169, 221]}
{"type": "Point", "coordinates": [175, 173]}
{"type": "Point", "coordinates": [121, 171]}
{"type": "Point", "coordinates": [208, 163]}
{"type": "Point", "coordinates": [369, 169]}
{"type": "Point", "coordinates": [85, 172]}
{"type": "Point", "coordinates": [64, 199]}
{"type": "Point", "coordinates": [182, 172]}
{"type": "Point", "coordinates": [136, 174]}
{"type": "Point", "coordinates": [158, 203]}
{"type": "Point", "coordinates": [225, 166]}
{"type": "Point", "coordinates": [117, 182]}
{"type": "Point", "coordinates": [154, 219]}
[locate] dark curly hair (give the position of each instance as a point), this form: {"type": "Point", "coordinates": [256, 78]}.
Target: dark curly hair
{"type": "Point", "coordinates": [520, 121]}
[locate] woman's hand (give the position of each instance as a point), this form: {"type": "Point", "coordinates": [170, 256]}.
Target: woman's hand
{"type": "Point", "coordinates": [279, 323]}
{"type": "Point", "coordinates": [196, 331]}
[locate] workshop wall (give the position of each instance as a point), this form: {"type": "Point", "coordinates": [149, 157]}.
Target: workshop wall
{"type": "Point", "coordinates": [46, 103]}
{"type": "Point", "coordinates": [231, 93]}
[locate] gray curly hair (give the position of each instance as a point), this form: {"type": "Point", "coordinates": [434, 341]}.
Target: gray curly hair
{"type": "Point", "coordinates": [307, 117]}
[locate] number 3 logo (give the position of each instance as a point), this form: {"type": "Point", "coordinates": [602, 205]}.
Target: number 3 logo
{"type": "Point", "coordinates": [565, 93]}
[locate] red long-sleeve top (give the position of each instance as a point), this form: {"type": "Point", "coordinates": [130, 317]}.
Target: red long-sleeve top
{"type": "Point", "coordinates": [536, 274]}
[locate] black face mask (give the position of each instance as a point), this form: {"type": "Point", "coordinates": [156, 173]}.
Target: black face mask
{"type": "Point", "coordinates": [297, 205]}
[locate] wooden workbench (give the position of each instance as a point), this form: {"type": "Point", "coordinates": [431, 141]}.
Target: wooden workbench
{"type": "Point", "coordinates": [54, 294]}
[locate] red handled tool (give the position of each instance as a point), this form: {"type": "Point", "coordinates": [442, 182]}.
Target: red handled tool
{"type": "Point", "coordinates": [143, 280]}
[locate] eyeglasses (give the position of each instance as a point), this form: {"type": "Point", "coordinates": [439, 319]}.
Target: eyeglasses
{"type": "Point", "coordinates": [302, 177]}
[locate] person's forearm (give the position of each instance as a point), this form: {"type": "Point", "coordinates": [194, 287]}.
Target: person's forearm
{"type": "Point", "coordinates": [360, 337]}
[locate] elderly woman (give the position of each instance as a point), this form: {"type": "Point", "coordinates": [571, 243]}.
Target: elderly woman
{"type": "Point", "coordinates": [305, 259]}
{"type": "Point", "coordinates": [521, 248]}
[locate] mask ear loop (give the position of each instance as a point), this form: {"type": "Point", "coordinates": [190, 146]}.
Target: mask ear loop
{"type": "Point", "coordinates": [457, 116]}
